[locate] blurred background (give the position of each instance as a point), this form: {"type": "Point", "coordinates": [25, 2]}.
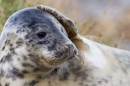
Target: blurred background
{"type": "Point", "coordinates": [104, 21]}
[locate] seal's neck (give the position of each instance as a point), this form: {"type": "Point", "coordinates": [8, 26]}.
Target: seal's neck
{"type": "Point", "coordinates": [14, 72]}
{"type": "Point", "coordinates": [12, 75]}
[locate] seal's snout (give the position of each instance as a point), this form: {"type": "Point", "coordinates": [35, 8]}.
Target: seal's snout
{"type": "Point", "coordinates": [67, 51]}
{"type": "Point", "coordinates": [72, 49]}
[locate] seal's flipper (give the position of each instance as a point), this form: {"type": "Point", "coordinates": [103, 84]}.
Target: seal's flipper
{"type": "Point", "coordinates": [68, 24]}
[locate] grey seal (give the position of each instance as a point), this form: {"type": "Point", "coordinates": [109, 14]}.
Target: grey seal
{"type": "Point", "coordinates": [44, 48]}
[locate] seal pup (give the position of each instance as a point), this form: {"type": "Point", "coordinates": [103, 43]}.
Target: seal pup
{"type": "Point", "coordinates": [26, 60]}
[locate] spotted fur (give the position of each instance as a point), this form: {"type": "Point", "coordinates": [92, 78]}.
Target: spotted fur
{"type": "Point", "coordinates": [61, 58]}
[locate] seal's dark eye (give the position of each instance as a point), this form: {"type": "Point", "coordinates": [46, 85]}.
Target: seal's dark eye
{"type": "Point", "coordinates": [41, 35]}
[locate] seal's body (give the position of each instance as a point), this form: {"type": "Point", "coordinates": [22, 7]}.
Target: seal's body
{"type": "Point", "coordinates": [103, 66]}
{"type": "Point", "coordinates": [41, 47]}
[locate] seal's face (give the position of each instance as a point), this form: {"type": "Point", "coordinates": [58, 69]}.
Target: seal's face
{"type": "Point", "coordinates": [45, 41]}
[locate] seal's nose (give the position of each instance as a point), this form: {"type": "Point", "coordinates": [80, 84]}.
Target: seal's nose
{"type": "Point", "coordinates": [76, 52]}
{"type": "Point", "coordinates": [72, 49]}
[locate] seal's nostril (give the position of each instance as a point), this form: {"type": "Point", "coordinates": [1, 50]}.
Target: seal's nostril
{"type": "Point", "coordinates": [72, 49]}
{"type": "Point", "coordinates": [75, 52]}
{"type": "Point", "coordinates": [69, 45]}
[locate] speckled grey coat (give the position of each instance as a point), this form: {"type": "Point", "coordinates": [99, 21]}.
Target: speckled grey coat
{"type": "Point", "coordinates": [41, 47]}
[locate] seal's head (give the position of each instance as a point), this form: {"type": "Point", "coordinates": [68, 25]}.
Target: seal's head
{"type": "Point", "coordinates": [36, 37]}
